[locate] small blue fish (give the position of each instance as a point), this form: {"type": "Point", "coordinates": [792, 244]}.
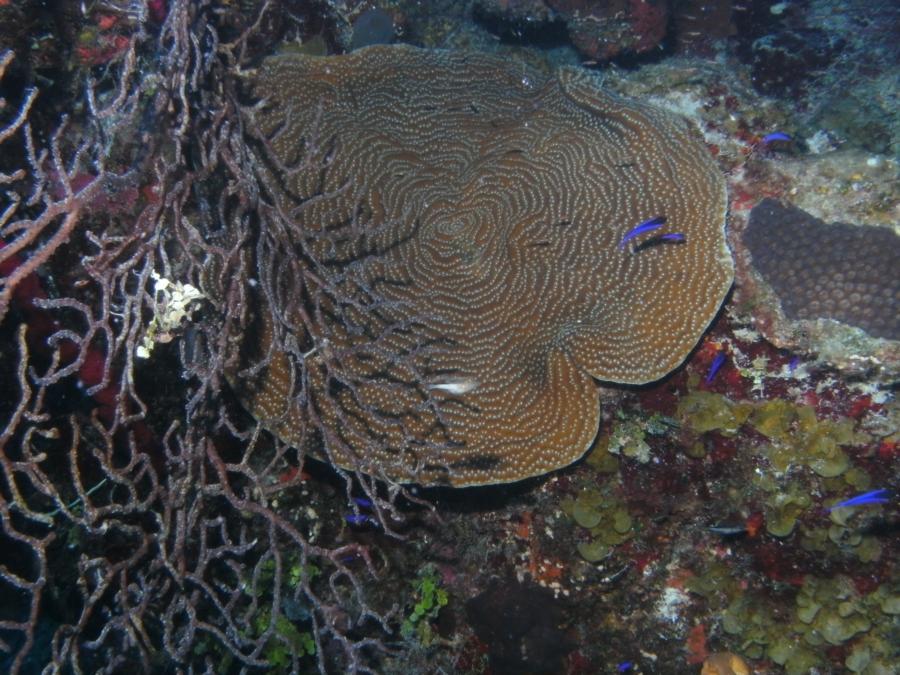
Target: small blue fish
{"type": "Point", "coordinates": [728, 530]}
{"type": "Point", "coordinates": [714, 367]}
{"type": "Point", "coordinates": [363, 502]}
{"type": "Point", "coordinates": [625, 666]}
{"type": "Point", "coordinates": [775, 136]}
{"type": "Point", "coordinates": [646, 226]}
{"type": "Point", "coordinates": [873, 497]}
{"type": "Point", "coordinates": [792, 366]}
{"type": "Point", "coordinates": [359, 519]}
{"type": "Point", "coordinates": [660, 239]}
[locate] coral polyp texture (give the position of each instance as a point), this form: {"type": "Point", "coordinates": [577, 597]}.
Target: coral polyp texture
{"type": "Point", "coordinates": [421, 265]}
{"type": "Point", "coordinates": [465, 283]}
{"type": "Point", "coordinates": [827, 270]}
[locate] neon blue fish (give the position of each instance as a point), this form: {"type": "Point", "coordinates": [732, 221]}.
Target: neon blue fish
{"type": "Point", "coordinates": [643, 228]}
{"type": "Point", "coordinates": [776, 136]}
{"type": "Point", "coordinates": [673, 236]}
{"type": "Point", "coordinates": [873, 497]}
{"type": "Point", "coordinates": [717, 363]}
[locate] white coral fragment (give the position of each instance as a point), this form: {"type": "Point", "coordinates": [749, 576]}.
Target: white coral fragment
{"type": "Point", "coordinates": [171, 304]}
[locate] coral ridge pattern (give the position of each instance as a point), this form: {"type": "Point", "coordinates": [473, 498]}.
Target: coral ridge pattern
{"type": "Point", "coordinates": [483, 203]}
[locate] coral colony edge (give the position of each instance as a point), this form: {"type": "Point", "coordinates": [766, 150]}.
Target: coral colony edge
{"type": "Point", "coordinates": [479, 283]}
{"type": "Point", "coordinates": [483, 337]}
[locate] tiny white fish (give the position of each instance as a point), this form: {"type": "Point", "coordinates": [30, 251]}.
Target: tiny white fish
{"type": "Point", "coordinates": [455, 386]}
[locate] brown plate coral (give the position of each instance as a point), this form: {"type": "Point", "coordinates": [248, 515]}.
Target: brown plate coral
{"type": "Point", "coordinates": [447, 282]}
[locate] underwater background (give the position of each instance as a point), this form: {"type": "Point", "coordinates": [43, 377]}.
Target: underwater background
{"type": "Point", "coordinates": [215, 403]}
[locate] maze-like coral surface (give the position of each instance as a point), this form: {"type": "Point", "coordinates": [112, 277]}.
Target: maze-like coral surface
{"type": "Point", "coordinates": [486, 205]}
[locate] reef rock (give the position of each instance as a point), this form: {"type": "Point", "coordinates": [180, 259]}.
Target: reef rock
{"type": "Point", "coordinates": [830, 288]}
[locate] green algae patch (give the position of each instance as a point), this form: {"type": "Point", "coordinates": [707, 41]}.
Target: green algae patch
{"type": "Point", "coordinates": [815, 540]}
{"type": "Point", "coordinates": [427, 599]}
{"type": "Point", "coordinates": [781, 457]}
{"type": "Point", "coordinates": [844, 537]}
{"type": "Point", "coordinates": [605, 517]}
{"type": "Point", "coordinates": [797, 437]}
{"type": "Point", "coordinates": [840, 615]}
{"type": "Point", "coordinates": [806, 418]}
{"type": "Point", "coordinates": [845, 533]}
{"type": "Point", "coordinates": [841, 515]}
{"type": "Point", "coordinates": [869, 550]}
{"type": "Point", "coordinates": [794, 435]}
{"type": "Point", "coordinates": [858, 659]}
{"type": "Point", "coordinates": [621, 521]}
{"type": "Point", "coordinates": [796, 659]}
{"type": "Point", "coordinates": [837, 629]}
{"type": "Point", "coordinates": [593, 551]}
{"type": "Point", "coordinates": [858, 479]}
{"type": "Point", "coordinates": [695, 450]}
{"type": "Point", "coordinates": [703, 411]}
{"type": "Point", "coordinates": [822, 445]}
{"type": "Point", "coordinates": [826, 457]}
{"type": "Point", "coordinates": [832, 463]}
{"type": "Point", "coordinates": [780, 521]}
{"type": "Point", "coordinates": [828, 613]}
{"type": "Point", "coordinates": [889, 604]}
{"type": "Point", "coordinates": [829, 616]}
{"type": "Point", "coordinates": [587, 510]}
{"type": "Point", "coordinates": [751, 621]}
{"type": "Point", "coordinates": [773, 419]}
{"type": "Point", "coordinates": [601, 459]}
{"type": "Point", "coordinates": [786, 502]}
{"type": "Point", "coordinates": [807, 609]}
{"type": "Point", "coordinates": [715, 584]}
